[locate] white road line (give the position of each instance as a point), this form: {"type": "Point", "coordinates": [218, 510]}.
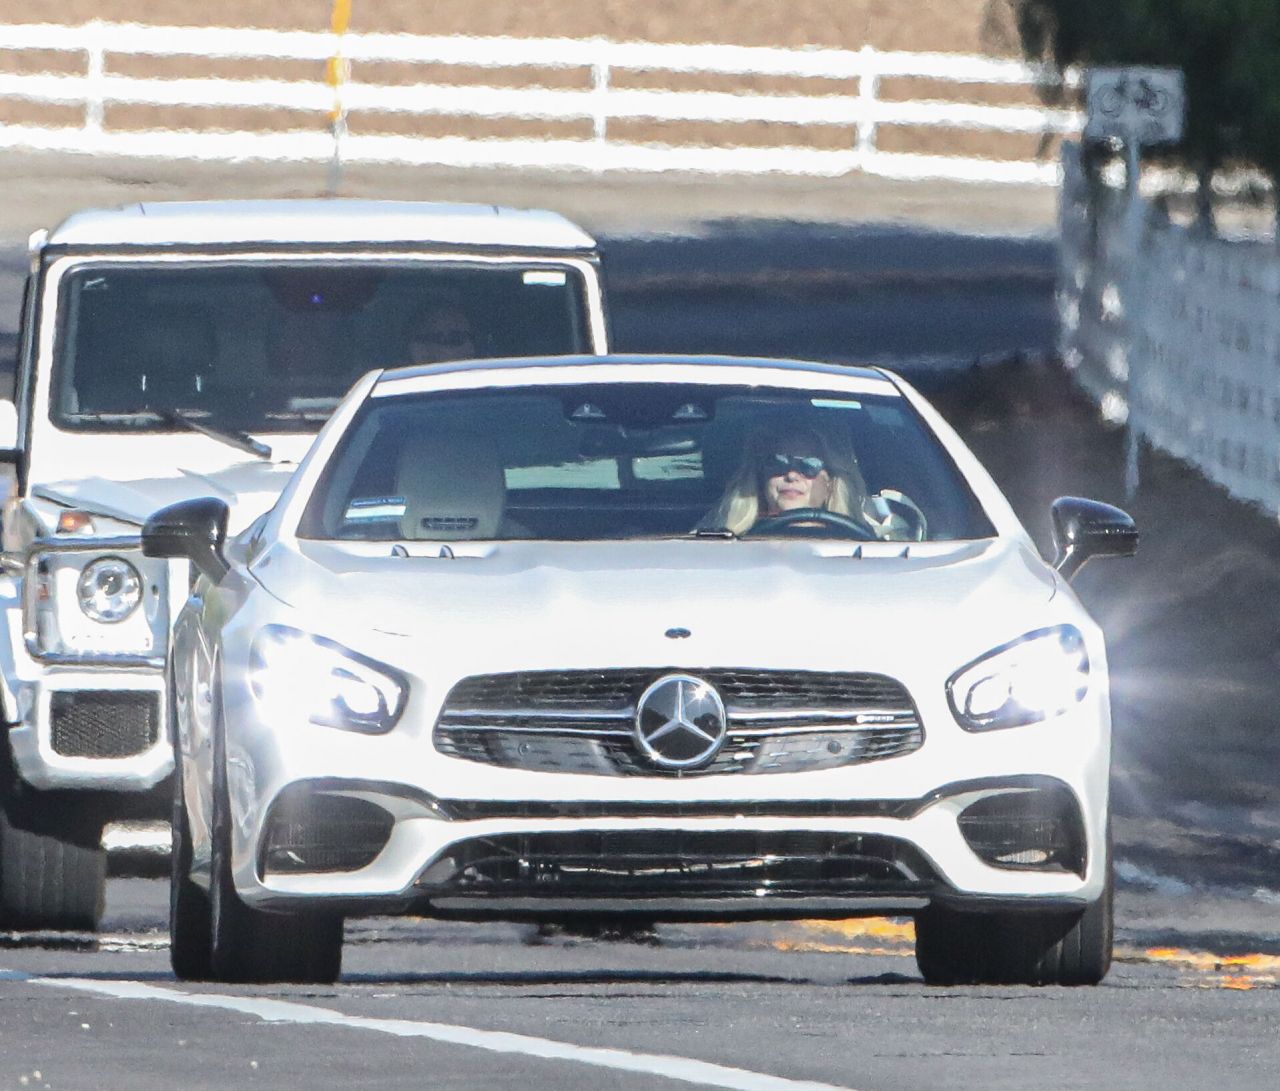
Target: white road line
{"type": "Point", "coordinates": [495, 1041]}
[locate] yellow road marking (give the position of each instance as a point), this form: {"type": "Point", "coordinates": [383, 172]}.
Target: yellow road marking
{"type": "Point", "coordinates": [883, 936]}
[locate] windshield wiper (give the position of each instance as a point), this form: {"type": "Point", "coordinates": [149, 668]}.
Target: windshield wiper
{"type": "Point", "coordinates": [232, 438]}
{"type": "Point", "coordinates": [714, 532]}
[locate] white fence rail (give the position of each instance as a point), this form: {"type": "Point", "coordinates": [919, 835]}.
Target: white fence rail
{"type": "Point", "coordinates": [1177, 333]}
{"type": "Point", "coordinates": [599, 104]}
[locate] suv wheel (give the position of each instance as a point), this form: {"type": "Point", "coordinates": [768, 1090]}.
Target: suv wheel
{"type": "Point", "coordinates": [53, 868]}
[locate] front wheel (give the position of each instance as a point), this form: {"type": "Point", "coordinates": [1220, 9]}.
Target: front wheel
{"type": "Point", "coordinates": [247, 944]}
{"type": "Point", "coordinates": [1016, 948]}
{"type": "Point", "coordinates": [190, 919]}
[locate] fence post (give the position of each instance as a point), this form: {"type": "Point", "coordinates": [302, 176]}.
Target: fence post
{"type": "Point", "coordinates": [337, 73]}
{"type": "Point", "coordinates": [600, 72]}
{"type": "Point", "coordinates": [95, 76]}
{"type": "Point", "coordinates": [868, 91]}
{"type": "Point", "coordinates": [1135, 286]}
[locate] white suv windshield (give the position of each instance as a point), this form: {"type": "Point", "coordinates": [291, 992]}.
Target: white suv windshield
{"type": "Point", "coordinates": [638, 461]}
{"type": "Point", "coordinates": [272, 347]}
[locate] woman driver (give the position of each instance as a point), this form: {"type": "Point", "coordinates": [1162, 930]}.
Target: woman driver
{"type": "Point", "coordinates": [785, 472]}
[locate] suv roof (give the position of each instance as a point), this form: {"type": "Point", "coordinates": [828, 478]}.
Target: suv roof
{"type": "Point", "coordinates": [318, 220]}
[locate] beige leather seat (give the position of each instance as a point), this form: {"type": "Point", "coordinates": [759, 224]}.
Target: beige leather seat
{"type": "Point", "coordinates": [453, 487]}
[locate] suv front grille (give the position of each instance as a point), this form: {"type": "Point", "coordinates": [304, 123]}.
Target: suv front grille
{"type": "Point", "coordinates": [103, 723]}
{"type": "Point", "coordinates": [582, 721]}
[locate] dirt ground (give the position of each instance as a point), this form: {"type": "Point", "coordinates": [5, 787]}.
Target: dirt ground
{"type": "Point", "coordinates": [954, 25]}
{"type": "Point", "coordinates": [41, 188]}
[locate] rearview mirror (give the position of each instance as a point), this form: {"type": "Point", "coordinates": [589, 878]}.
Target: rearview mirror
{"type": "Point", "coordinates": [618, 441]}
{"type": "Point", "coordinates": [195, 529]}
{"type": "Point", "coordinates": [1084, 529]}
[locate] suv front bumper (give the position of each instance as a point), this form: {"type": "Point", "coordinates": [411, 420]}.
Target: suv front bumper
{"type": "Point", "coordinates": [93, 724]}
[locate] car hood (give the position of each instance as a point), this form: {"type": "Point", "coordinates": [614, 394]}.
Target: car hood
{"type": "Point", "coordinates": [607, 599]}
{"type": "Point", "coordinates": [249, 489]}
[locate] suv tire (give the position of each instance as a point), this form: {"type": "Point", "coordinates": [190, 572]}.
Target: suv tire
{"type": "Point", "coordinates": [50, 877]}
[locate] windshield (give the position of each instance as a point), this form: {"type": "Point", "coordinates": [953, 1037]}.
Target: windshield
{"type": "Point", "coordinates": [257, 347]}
{"type": "Point", "coordinates": [639, 461]}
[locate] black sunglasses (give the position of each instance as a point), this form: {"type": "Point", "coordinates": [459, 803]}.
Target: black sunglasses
{"type": "Point", "coordinates": [775, 465]}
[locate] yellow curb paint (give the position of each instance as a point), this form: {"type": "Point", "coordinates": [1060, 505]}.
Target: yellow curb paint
{"type": "Point", "coordinates": [822, 936]}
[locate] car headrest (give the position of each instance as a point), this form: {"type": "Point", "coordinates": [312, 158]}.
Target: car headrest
{"type": "Point", "coordinates": [452, 485]}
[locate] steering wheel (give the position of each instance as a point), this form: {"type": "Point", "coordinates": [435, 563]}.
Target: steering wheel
{"type": "Point", "coordinates": [902, 508]}
{"type": "Point", "coordinates": [796, 519]}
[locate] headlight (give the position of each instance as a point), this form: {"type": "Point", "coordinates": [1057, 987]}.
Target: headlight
{"type": "Point", "coordinates": [109, 589]}
{"type": "Point", "coordinates": [301, 678]}
{"type": "Point", "coordinates": [1036, 677]}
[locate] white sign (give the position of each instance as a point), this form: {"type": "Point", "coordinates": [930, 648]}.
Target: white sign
{"type": "Point", "coordinates": [1135, 104]}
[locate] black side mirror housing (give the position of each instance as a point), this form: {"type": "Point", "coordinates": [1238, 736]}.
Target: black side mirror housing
{"type": "Point", "coordinates": [1084, 529]}
{"type": "Point", "coordinates": [195, 529]}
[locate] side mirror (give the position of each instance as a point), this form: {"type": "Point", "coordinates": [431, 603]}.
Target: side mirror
{"type": "Point", "coordinates": [8, 426]}
{"type": "Point", "coordinates": [1084, 529]}
{"type": "Point", "coordinates": [195, 529]}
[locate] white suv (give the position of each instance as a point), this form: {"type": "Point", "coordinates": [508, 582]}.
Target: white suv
{"type": "Point", "coordinates": [190, 349]}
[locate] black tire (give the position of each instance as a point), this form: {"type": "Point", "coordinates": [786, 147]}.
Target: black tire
{"type": "Point", "coordinates": [190, 917]}
{"type": "Point", "coordinates": [1016, 948]}
{"type": "Point", "coordinates": [53, 868]}
{"type": "Point", "coordinates": [249, 945]}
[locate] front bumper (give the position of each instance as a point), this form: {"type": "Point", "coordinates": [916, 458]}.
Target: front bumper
{"type": "Point", "coordinates": [440, 835]}
{"type": "Point", "coordinates": [365, 847]}
{"type": "Point", "coordinates": [57, 742]}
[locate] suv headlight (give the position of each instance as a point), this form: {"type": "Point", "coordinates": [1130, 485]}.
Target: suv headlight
{"type": "Point", "coordinates": [297, 677]}
{"type": "Point", "coordinates": [1033, 678]}
{"type": "Point", "coordinates": [109, 589]}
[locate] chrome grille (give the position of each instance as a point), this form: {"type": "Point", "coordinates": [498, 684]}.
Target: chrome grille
{"type": "Point", "coordinates": [581, 721]}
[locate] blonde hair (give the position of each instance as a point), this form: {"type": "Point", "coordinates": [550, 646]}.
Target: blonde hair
{"type": "Point", "coordinates": [739, 508]}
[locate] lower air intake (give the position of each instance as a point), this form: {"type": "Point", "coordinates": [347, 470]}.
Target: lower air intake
{"type": "Point", "coordinates": [93, 723]}
{"type": "Point", "coordinates": [675, 863]}
{"type": "Point", "coordinates": [310, 831]}
{"type": "Point", "coordinates": [1036, 830]}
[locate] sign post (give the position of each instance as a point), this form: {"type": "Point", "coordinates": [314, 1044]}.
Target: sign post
{"type": "Point", "coordinates": [1142, 105]}
{"type": "Point", "coordinates": [1136, 107]}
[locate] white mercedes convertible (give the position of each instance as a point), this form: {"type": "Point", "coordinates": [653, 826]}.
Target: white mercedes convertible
{"type": "Point", "coordinates": [646, 638]}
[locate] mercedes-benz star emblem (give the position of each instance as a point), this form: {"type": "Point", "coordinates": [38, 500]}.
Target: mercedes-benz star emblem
{"type": "Point", "coordinates": [680, 722]}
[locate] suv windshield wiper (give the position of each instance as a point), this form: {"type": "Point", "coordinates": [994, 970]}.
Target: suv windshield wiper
{"type": "Point", "coordinates": [714, 532]}
{"type": "Point", "coordinates": [241, 440]}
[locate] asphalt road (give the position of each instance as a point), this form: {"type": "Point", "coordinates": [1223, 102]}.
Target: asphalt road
{"type": "Point", "coordinates": [776, 1007]}
{"type": "Point", "coordinates": [874, 293]}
